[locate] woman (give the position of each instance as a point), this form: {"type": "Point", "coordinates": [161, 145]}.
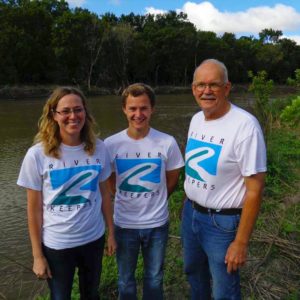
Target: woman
{"type": "Point", "coordinates": [65, 173]}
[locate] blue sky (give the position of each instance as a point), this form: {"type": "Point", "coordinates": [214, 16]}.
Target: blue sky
{"type": "Point", "coordinates": [237, 16]}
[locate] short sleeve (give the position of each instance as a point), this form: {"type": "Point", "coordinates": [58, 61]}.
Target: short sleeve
{"type": "Point", "coordinates": [30, 175]}
{"type": "Point", "coordinates": [106, 171]}
{"type": "Point", "coordinates": [175, 160]}
{"type": "Point", "coordinates": [111, 160]}
{"type": "Point", "coordinates": [251, 154]}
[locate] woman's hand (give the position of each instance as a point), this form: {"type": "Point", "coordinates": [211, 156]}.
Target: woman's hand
{"type": "Point", "coordinates": [41, 268]}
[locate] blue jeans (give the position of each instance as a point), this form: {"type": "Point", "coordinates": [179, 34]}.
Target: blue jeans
{"type": "Point", "coordinates": [206, 238]}
{"type": "Point", "coordinates": [152, 242]}
{"type": "Point", "coordinates": [62, 263]}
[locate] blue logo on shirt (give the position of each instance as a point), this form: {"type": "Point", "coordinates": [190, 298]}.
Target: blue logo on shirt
{"type": "Point", "coordinates": [78, 184]}
{"type": "Point", "coordinates": [201, 159]}
{"type": "Point", "coordinates": [138, 175]}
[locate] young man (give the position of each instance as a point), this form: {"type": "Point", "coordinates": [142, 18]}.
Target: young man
{"type": "Point", "coordinates": [225, 170]}
{"type": "Point", "coordinates": [146, 165]}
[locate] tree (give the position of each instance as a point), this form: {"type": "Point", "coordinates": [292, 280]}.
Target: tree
{"type": "Point", "coordinates": [290, 58]}
{"type": "Point", "coordinates": [262, 89]}
{"type": "Point", "coordinates": [78, 40]}
{"type": "Point", "coordinates": [270, 36]}
{"type": "Point", "coordinates": [25, 42]}
{"type": "Point", "coordinates": [207, 46]}
{"type": "Point", "coordinates": [170, 41]}
{"type": "Point", "coordinates": [45, 41]}
{"type": "Point", "coordinates": [118, 44]}
{"type": "Point", "coordinates": [245, 58]}
{"type": "Point", "coordinates": [269, 57]}
{"type": "Point", "coordinates": [137, 22]}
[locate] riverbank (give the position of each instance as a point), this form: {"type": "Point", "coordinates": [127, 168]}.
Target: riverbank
{"type": "Point", "coordinates": [43, 91]}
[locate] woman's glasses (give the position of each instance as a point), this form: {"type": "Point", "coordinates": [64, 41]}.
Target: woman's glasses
{"type": "Point", "coordinates": [66, 112]}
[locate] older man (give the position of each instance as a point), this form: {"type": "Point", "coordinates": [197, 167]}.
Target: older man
{"type": "Point", "coordinates": [225, 170]}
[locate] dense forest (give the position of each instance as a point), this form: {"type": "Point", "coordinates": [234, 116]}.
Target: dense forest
{"type": "Point", "coordinates": [44, 42]}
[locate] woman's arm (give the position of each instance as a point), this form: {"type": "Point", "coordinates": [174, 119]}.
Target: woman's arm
{"type": "Point", "coordinates": [35, 223]}
{"type": "Point", "coordinates": [108, 216]}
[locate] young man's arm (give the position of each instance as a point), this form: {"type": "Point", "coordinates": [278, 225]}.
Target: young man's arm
{"type": "Point", "coordinates": [112, 183]}
{"type": "Point", "coordinates": [237, 251]}
{"type": "Point", "coordinates": [108, 216]}
{"type": "Point", "coordinates": [172, 180]}
{"type": "Point", "coordinates": [35, 223]}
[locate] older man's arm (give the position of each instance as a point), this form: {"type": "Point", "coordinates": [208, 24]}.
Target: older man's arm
{"type": "Point", "coordinates": [237, 251]}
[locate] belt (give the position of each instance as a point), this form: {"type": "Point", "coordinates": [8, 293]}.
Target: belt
{"type": "Point", "coordinates": [224, 211]}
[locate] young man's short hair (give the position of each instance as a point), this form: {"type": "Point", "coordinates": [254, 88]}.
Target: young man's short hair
{"type": "Point", "coordinates": [138, 89]}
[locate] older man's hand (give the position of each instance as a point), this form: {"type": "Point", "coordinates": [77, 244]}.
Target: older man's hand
{"type": "Point", "coordinates": [236, 256]}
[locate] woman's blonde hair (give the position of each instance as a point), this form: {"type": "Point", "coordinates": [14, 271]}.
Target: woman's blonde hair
{"type": "Point", "coordinates": [48, 129]}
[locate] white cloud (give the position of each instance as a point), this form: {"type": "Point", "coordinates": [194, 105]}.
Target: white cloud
{"type": "Point", "coordinates": [206, 17]}
{"type": "Point", "coordinates": [295, 38]}
{"type": "Point", "coordinates": [153, 11]}
{"type": "Point", "coordinates": [251, 21]}
{"type": "Point", "coordinates": [76, 3]}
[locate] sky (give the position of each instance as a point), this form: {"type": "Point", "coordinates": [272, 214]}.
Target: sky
{"type": "Point", "coordinates": [241, 17]}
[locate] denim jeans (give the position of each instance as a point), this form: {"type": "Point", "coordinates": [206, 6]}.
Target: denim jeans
{"type": "Point", "coordinates": [62, 263]}
{"type": "Point", "coordinates": [152, 242]}
{"type": "Point", "coordinates": [206, 238]}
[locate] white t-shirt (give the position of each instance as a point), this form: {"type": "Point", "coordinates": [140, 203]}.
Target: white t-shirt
{"type": "Point", "coordinates": [140, 167]}
{"type": "Point", "coordinates": [219, 154]}
{"type": "Point", "coordinates": [71, 195]}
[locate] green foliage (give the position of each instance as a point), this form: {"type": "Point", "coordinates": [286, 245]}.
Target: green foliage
{"type": "Point", "coordinates": [294, 296]}
{"type": "Point", "coordinates": [44, 41]}
{"type": "Point", "coordinates": [75, 289]}
{"type": "Point", "coordinates": [294, 82]}
{"type": "Point", "coordinates": [109, 276]}
{"type": "Point", "coordinates": [297, 76]}
{"type": "Point", "coordinates": [291, 114]}
{"type": "Point", "coordinates": [262, 89]}
{"type": "Point", "coordinates": [77, 37]}
{"type": "Point", "coordinates": [291, 223]}
{"type": "Point", "coordinates": [290, 81]}
{"type": "Point", "coordinates": [270, 35]}
{"type": "Point", "coordinates": [277, 105]}
{"type": "Point", "coordinates": [283, 153]}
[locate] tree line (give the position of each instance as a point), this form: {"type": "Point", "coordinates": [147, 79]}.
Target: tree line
{"type": "Point", "coordinates": [44, 41]}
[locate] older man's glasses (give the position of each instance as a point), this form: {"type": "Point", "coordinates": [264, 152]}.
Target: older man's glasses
{"type": "Point", "coordinates": [68, 111]}
{"type": "Point", "coordinates": [214, 86]}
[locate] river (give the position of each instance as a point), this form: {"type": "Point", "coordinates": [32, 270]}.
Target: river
{"type": "Point", "coordinates": [18, 120]}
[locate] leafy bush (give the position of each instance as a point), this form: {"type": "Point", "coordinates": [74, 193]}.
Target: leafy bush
{"type": "Point", "coordinates": [262, 89]}
{"type": "Point", "coordinates": [290, 81]}
{"type": "Point", "coordinates": [283, 152]}
{"type": "Point", "coordinates": [291, 113]}
{"type": "Point", "coordinates": [294, 82]}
